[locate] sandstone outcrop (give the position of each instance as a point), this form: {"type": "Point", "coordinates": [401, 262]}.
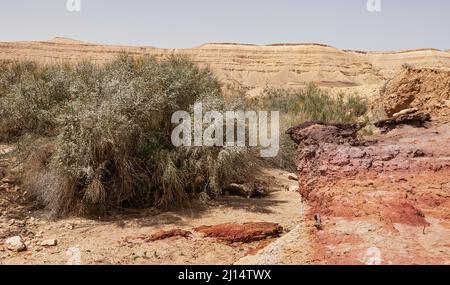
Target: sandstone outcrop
{"type": "Point", "coordinates": [413, 118]}
{"type": "Point", "coordinates": [244, 233]}
{"type": "Point", "coordinates": [426, 90]}
{"type": "Point", "coordinates": [388, 193]}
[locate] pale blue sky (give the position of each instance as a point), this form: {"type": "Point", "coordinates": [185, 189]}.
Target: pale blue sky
{"type": "Point", "coordinates": [187, 23]}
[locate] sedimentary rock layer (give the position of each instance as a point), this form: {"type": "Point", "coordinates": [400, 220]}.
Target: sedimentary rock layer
{"type": "Point", "coordinates": [254, 67]}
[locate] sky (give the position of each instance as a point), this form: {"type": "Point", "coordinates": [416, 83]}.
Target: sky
{"type": "Point", "coordinates": [346, 24]}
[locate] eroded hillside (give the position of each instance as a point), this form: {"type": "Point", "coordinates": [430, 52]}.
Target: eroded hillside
{"type": "Point", "coordinates": [255, 67]}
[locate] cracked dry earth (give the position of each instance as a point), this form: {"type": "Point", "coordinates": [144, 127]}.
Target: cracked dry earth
{"type": "Point", "coordinates": [135, 237]}
{"type": "Point", "coordinates": [384, 201]}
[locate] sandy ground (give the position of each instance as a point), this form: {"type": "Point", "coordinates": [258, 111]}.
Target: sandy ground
{"type": "Point", "coordinates": [116, 240]}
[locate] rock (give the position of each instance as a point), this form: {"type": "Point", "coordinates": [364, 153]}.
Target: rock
{"type": "Point", "coordinates": [406, 112]}
{"type": "Point", "coordinates": [294, 188]}
{"type": "Point", "coordinates": [49, 242]}
{"type": "Point", "coordinates": [15, 244]}
{"type": "Point", "coordinates": [416, 120]}
{"type": "Point", "coordinates": [168, 234]}
{"type": "Point", "coordinates": [292, 176]}
{"type": "Point", "coordinates": [283, 251]}
{"type": "Point", "coordinates": [318, 222]}
{"type": "Point", "coordinates": [20, 224]}
{"type": "Point", "coordinates": [245, 233]}
{"type": "Point", "coordinates": [246, 190]}
{"type": "Point", "coordinates": [316, 132]}
{"type": "Point", "coordinates": [239, 190]}
{"type": "Point", "coordinates": [69, 226]}
{"type": "Point", "coordinates": [418, 153]}
{"type": "Point", "coordinates": [416, 88]}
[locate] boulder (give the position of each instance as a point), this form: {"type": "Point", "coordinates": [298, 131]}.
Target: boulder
{"type": "Point", "coordinates": [244, 233]}
{"type": "Point", "coordinates": [412, 119]}
{"type": "Point", "coordinates": [15, 244]}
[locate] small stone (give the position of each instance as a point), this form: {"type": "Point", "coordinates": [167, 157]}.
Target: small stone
{"type": "Point", "coordinates": [15, 244]}
{"type": "Point", "coordinates": [292, 176]}
{"type": "Point", "coordinates": [49, 242]}
{"type": "Point", "coordinates": [294, 189]}
{"type": "Point", "coordinates": [418, 153]}
{"type": "Point", "coordinates": [69, 226]}
{"type": "Point", "coordinates": [406, 112]}
{"type": "Point", "coordinates": [20, 224]}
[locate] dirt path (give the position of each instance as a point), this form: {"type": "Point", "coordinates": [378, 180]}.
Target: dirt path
{"type": "Point", "coordinates": [117, 240]}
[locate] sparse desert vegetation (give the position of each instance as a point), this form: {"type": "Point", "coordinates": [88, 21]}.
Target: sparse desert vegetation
{"type": "Point", "coordinates": [311, 103]}
{"type": "Point", "coordinates": [98, 137]}
{"type": "Point", "coordinates": [85, 150]}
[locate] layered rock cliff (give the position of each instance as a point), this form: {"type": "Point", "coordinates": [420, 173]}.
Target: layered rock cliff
{"type": "Point", "coordinates": [254, 67]}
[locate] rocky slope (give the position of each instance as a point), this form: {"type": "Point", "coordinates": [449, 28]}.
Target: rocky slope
{"type": "Point", "coordinates": [254, 67]}
{"type": "Point", "coordinates": [424, 89]}
{"type": "Point", "coordinates": [380, 200]}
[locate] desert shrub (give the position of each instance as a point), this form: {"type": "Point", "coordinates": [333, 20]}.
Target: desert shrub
{"type": "Point", "coordinates": [109, 128]}
{"type": "Point", "coordinates": [407, 66]}
{"type": "Point", "coordinates": [31, 98]}
{"type": "Point", "coordinates": [307, 104]}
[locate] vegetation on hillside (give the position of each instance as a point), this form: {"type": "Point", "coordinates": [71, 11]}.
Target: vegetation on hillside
{"type": "Point", "coordinates": [95, 138]}
{"type": "Point", "coordinates": [307, 104]}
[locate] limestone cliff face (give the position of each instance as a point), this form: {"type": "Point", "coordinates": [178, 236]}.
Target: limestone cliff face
{"type": "Point", "coordinates": [254, 67]}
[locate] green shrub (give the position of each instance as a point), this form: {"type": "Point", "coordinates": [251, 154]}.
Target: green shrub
{"type": "Point", "coordinates": [307, 104]}
{"type": "Point", "coordinates": [33, 96]}
{"type": "Point", "coordinates": [109, 134]}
